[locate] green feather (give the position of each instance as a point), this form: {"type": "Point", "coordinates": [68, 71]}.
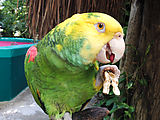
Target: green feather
{"type": "Point", "coordinates": [62, 86]}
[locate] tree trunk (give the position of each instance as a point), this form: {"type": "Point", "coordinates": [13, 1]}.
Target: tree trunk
{"type": "Point", "coordinates": [142, 58]}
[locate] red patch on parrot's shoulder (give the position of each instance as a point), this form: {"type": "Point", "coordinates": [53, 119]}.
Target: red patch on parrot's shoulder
{"type": "Point", "coordinates": [32, 53]}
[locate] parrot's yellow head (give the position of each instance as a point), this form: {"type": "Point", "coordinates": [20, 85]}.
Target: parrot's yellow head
{"type": "Point", "coordinates": [101, 35]}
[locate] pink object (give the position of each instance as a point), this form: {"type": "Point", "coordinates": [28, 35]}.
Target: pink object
{"type": "Point", "coordinates": [9, 43]}
{"type": "Point", "coordinates": [31, 53]}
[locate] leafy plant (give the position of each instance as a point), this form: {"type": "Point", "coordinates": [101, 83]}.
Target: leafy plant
{"type": "Point", "coordinates": [118, 103]}
{"type": "Point", "coordinates": [13, 18]}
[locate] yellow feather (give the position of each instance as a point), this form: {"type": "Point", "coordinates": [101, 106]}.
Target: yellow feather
{"type": "Point", "coordinates": [59, 47]}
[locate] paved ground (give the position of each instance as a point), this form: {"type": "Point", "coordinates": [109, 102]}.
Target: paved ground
{"type": "Point", "coordinates": [23, 107]}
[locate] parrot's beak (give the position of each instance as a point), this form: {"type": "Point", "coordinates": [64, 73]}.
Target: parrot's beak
{"type": "Point", "coordinates": [113, 50]}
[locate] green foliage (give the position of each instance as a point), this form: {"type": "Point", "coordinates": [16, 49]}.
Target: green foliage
{"type": "Point", "coordinates": [148, 49]}
{"type": "Point", "coordinates": [118, 103]}
{"type": "Point", "coordinates": [13, 18]}
{"type": "Point", "coordinates": [125, 29]}
{"type": "Point", "coordinates": [143, 82]}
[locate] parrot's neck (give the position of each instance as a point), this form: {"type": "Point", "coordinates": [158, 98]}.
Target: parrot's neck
{"type": "Point", "coordinates": [65, 46]}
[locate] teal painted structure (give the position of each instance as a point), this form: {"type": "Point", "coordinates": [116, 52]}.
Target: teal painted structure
{"type": "Point", "coordinates": [12, 77]}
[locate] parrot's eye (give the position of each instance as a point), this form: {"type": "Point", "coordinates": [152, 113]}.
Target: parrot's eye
{"type": "Point", "coordinates": [100, 27]}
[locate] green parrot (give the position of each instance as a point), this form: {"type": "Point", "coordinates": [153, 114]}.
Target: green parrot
{"type": "Point", "coordinates": [61, 69]}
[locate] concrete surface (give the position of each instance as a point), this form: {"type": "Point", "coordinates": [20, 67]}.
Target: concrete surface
{"type": "Point", "coordinates": [23, 107]}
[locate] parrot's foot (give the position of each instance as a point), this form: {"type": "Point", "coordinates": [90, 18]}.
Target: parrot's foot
{"type": "Point", "coordinates": [52, 118]}
{"type": "Point", "coordinates": [94, 113]}
{"type": "Point", "coordinates": [59, 117]}
{"type": "Point", "coordinates": [109, 68]}
{"type": "Point", "coordinates": [108, 75]}
{"type": "Point", "coordinates": [67, 116]}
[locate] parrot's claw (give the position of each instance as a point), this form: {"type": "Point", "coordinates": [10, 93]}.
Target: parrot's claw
{"type": "Point", "coordinates": [110, 68]}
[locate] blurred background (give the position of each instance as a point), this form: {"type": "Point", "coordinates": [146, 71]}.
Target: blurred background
{"type": "Point", "coordinates": [140, 66]}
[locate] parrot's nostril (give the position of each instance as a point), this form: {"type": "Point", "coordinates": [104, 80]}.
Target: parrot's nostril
{"type": "Point", "coordinates": [118, 35]}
